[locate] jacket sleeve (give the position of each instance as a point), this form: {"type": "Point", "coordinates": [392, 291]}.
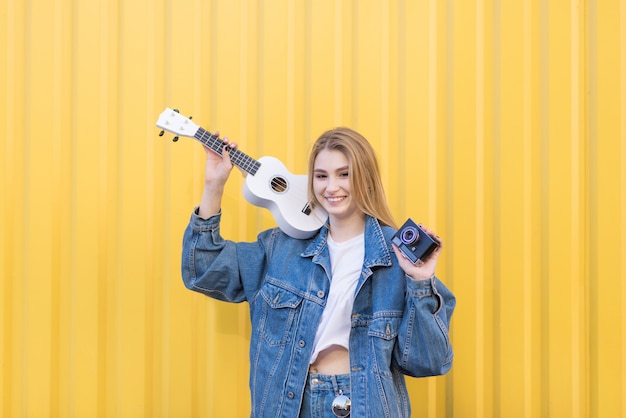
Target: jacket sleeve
{"type": "Point", "coordinates": [219, 268]}
{"type": "Point", "coordinates": [424, 347]}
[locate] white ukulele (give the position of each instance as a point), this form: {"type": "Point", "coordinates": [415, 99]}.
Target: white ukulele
{"type": "Point", "coordinates": [268, 183]}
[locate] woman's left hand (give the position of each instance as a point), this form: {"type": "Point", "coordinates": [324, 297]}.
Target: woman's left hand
{"type": "Point", "coordinates": [422, 270]}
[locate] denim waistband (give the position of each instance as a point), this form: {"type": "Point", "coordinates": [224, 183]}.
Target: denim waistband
{"type": "Point", "coordinates": [318, 381]}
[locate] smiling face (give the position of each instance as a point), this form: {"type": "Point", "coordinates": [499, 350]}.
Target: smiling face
{"type": "Point", "coordinates": [332, 186]}
{"type": "Point", "coordinates": [356, 191]}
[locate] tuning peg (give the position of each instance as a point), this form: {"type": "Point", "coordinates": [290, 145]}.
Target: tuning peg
{"type": "Point", "coordinates": [161, 133]}
{"type": "Point", "coordinates": [175, 139]}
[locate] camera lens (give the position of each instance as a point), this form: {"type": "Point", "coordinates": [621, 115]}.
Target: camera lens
{"type": "Point", "coordinates": [409, 235]}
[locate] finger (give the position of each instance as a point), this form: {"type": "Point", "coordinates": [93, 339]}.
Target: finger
{"type": "Point", "coordinates": [432, 234]}
{"type": "Point", "coordinates": [226, 154]}
{"type": "Point", "coordinates": [427, 230]}
{"type": "Point", "coordinates": [399, 255]}
{"type": "Point", "coordinates": [406, 264]}
{"type": "Point", "coordinates": [231, 145]}
{"type": "Point", "coordinates": [226, 141]}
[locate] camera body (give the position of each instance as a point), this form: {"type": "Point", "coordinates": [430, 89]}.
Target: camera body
{"type": "Point", "coordinates": [413, 242]}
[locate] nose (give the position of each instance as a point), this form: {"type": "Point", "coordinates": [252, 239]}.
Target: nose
{"type": "Point", "coordinates": [333, 184]}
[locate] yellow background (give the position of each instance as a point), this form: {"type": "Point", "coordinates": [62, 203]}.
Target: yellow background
{"type": "Point", "coordinates": [500, 124]}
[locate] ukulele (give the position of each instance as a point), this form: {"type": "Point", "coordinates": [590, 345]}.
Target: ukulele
{"type": "Point", "coordinates": [268, 183]}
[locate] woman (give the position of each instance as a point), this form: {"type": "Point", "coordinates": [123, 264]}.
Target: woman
{"type": "Point", "coordinates": [337, 319]}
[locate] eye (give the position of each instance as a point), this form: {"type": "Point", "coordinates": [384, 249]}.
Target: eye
{"type": "Point", "coordinates": [344, 174]}
{"type": "Point", "coordinates": [320, 176]}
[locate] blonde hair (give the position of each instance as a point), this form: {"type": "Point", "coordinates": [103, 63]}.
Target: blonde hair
{"type": "Point", "coordinates": [365, 182]}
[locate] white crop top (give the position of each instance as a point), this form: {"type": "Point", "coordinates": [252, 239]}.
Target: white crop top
{"type": "Point", "coordinates": [346, 260]}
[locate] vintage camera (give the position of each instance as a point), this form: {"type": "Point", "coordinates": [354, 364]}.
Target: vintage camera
{"type": "Point", "coordinates": [413, 242]}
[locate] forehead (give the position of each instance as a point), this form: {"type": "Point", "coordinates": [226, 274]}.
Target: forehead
{"type": "Point", "coordinates": [330, 160]}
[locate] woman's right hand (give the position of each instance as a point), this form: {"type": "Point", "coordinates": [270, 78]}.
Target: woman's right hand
{"type": "Point", "coordinates": [218, 167]}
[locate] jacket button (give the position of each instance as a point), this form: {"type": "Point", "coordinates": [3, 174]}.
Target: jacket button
{"type": "Point", "coordinates": [320, 294]}
{"type": "Point", "coordinates": [301, 343]}
{"type": "Point", "coordinates": [290, 395]}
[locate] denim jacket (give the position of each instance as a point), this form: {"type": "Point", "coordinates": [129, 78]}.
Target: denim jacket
{"type": "Point", "coordinates": [399, 325]}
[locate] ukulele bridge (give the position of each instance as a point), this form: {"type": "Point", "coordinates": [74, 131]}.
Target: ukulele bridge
{"type": "Point", "coordinates": [307, 209]}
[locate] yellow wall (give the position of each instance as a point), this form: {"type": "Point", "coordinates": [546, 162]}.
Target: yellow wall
{"type": "Point", "coordinates": [501, 124]}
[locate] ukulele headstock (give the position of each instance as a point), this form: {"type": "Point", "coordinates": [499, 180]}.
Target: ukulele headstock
{"type": "Point", "coordinates": [172, 121]}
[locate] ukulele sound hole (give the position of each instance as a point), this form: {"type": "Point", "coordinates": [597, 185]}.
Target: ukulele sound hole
{"type": "Point", "coordinates": [279, 184]}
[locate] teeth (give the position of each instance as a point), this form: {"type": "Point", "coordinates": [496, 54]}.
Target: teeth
{"type": "Point", "coordinates": [335, 199]}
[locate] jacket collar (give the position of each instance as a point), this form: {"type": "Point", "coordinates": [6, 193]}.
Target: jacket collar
{"type": "Point", "coordinates": [377, 251]}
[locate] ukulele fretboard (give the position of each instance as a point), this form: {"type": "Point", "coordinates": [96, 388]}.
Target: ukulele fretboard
{"type": "Point", "coordinates": [237, 157]}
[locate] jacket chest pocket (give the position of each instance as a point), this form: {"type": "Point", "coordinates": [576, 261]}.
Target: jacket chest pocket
{"type": "Point", "coordinates": [385, 328]}
{"type": "Point", "coordinates": [279, 310]}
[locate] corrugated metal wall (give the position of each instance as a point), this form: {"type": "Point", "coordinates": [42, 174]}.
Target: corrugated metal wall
{"type": "Point", "coordinates": [501, 124]}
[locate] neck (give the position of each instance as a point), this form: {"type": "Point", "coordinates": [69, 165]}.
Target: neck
{"type": "Point", "coordinates": [344, 229]}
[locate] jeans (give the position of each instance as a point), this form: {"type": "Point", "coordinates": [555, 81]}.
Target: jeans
{"type": "Point", "coordinates": [319, 393]}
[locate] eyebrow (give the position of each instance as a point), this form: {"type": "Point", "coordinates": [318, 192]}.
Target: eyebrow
{"type": "Point", "coordinates": [319, 170]}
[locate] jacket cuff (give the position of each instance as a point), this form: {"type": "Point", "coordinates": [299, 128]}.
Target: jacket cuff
{"type": "Point", "coordinates": [420, 288]}
{"type": "Point", "coordinates": [201, 224]}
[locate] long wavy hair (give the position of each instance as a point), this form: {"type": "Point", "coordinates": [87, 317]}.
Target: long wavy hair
{"type": "Point", "coordinates": [364, 174]}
